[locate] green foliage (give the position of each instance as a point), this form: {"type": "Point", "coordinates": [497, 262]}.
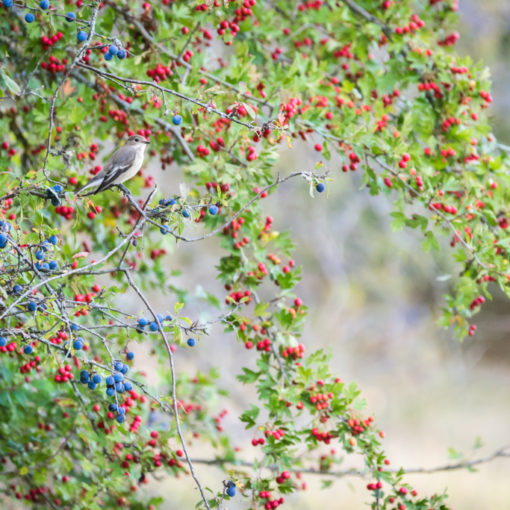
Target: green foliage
{"type": "Point", "coordinates": [378, 85]}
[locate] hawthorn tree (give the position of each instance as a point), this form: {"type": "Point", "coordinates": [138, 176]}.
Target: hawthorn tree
{"type": "Point", "coordinates": [221, 89]}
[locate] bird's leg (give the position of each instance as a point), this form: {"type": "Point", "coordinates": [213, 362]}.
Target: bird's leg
{"type": "Point", "coordinates": [129, 196]}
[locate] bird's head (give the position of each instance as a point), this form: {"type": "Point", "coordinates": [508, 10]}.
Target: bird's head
{"type": "Point", "coordinates": [137, 140]}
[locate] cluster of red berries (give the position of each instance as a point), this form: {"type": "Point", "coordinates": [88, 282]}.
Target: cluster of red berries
{"type": "Point", "coordinates": [320, 400]}
{"type": "Point", "coordinates": [449, 152]}
{"type": "Point", "coordinates": [10, 151]}
{"type": "Point", "coordinates": [354, 160]}
{"type": "Point", "coordinates": [285, 475]}
{"type": "Point", "coordinates": [414, 25]}
{"type": "Point", "coordinates": [322, 437]}
{"type": "Point", "coordinates": [235, 297]}
{"type": "Point", "coordinates": [294, 353]}
{"type": "Point", "coordinates": [480, 300]}
{"type": "Point", "coordinates": [264, 345]}
{"type": "Point", "coordinates": [404, 160]}
{"type": "Point", "coordinates": [214, 185]}
{"type": "Point", "coordinates": [358, 427]}
{"type": "Point", "coordinates": [449, 40]}
{"type": "Point", "coordinates": [270, 504]}
{"type": "Point", "coordinates": [290, 109]}
{"type": "Point", "coordinates": [234, 227]}
{"type": "Point", "coordinates": [157, 253]}
{"type": "Point", "coordinates": [202, 151]}
{"type": "Point", "coordinates": [425, 87]}
{"type": "Point", "coordinates": [48, 41]}
{"type": "Point", "coordinates": [277, 434]}
{"type": "Point", "coordinates": [250, 153]}
{"type": "Point", "coordinates": [10, 347]}
{"type": "Point", "coordinates": [260, 441]}
{"type": "Point", "coordinates": [217, 145]}
{"type": "Point", "coordinates": [64, 374]}
{"type": "Point", "coordinates": [65, 211]}
{"type": "Point", "coordinates": [159, 73]}
{"type": "Point", "coordinates": [449, 122]}
{"type": "Point", "coordinates": [61, 336]}
{"type": "Point", "coordinates": [29, 365]}
{"type": "Point", "coordinates": [55, 65]}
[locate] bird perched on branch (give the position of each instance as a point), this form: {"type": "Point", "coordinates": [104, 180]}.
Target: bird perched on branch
{"type": "Point", "coordinates": [123, 165]}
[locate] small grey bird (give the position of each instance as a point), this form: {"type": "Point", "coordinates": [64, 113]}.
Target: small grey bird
{"type": "Point", "coordinates": [123, 165]}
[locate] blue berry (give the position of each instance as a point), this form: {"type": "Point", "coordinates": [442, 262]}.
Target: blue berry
{"type": "Point", "coordinates": [320, 187]}
{"type": "Point", "coordinates": [55, 201]}
{"type": "Point", "coordinates": [45, 4]}
{"type": "Point", "coordinates": [45, 266]}
{"type": "Point", "coordinates": [75, 327]}
{"type": "Point", "coordinates": [58, 188]}
{"type": "Point", "coordinates": [53, 239]}
{"type": "Point", "coordinates": [121, 418]}
{"type": "Point", "coordinates": [110, 391]}
{"type": "Point", "coordinates": [117, 376]}
{"type": "Point", "coordinates": [53, 265]}
{"type": "Point", "coordinates": [112, 407]}
{"type": "Point", "coordinates": [121, 54]}
{"type": "Point", "coordinates": [121, 410]}
{"type": "Point", "coordinates": [110, 380]}
{"type": "Point", "coordinates": [118, 366]}
{"type": "Point", "coordinates": [177, 120]}
{"type": "Point", "coordinates": [164, 229]}
{"type": "Point", "coordinates": [108, 56]}
{"type": "Point", "coordinates": [119, 387]}
{"type": "Point", "coordinates": [29, 17]}
{"type": "Point", "coordinates": [84, 374]}
{"type": "Point", "coordinates": [124, 369]}
{"type": "Point", "coordinates": [213, 209]}
{"type": "Point", "coordinates": [172, 201]}
{"type": "Point", "coordinates": [32, 307]}
{"type": "Point", "coordinates": [160, 317]}
{"type": "Point", "coordinates": [78, 344]}
{"type": "Point", "coordinates": [153, 326]}
{"type": "Point", "coordinates": [39, 255]}
{"type": "Point", "coordinates": [92, 385]}
{"type": "Point", "coordinates": [231, 489]}
{"type": "Point", "coordinates": [7, 3]}
{"type": "Point", "coordinates": [70, 16]}
{"type": "Point", "coordinates": [17, 288]}
{"type": "Point", "coordinates": [82, 36]}
{"type": "Point", "coordinates": [3, 341]}
{"type": "Point", "coordinates": [97, 378]}
{"type": "Point", "coordinates": [3, 240]}
{"type": "Point", "coordinates": [142, 322]}
{"type": "Point", "coordinates": [113, 49]}
{"type": "Point", "coordinates": [185, 213]}
{"type": "Point", "coordinates": [130, 355]}
{"type": "Point", "coordinates": [128, 386]}
{"type": "Point", "coordinates": [28, 349]}
{"type": "Point", "coordinates": [191, 342]}
{"type": "Point", "coordinates": [168, 318]}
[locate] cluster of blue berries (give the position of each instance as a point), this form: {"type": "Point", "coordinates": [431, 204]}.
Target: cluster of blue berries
{"type": "Point", "coordinates": [40, 255]}
{"type": "Point", "coordinates": [4, 229]}
{"type": "Point", "coordinates": [231, 488]}
{"type": "Point", "coordinates": [115, 51]}
{"type": "Point", "coordinates": [153, 325]}
{"type": "Point", "coordinates": [54, 193]}
{"type": "Point", "coordinates": [91, 380]}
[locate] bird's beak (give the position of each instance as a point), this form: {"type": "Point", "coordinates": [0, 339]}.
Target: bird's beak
{"type": "Point", "coordinates": [146, 141]}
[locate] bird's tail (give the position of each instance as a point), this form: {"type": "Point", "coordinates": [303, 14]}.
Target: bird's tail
{"type": "Point", "coordinates": [91, 183]}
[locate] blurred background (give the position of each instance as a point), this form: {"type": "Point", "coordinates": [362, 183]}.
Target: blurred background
{"type": "Point", "coordinates": [374, 299]}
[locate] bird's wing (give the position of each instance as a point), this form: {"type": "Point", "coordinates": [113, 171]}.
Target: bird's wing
{"type": "Point", "coordinates": [120, 161]}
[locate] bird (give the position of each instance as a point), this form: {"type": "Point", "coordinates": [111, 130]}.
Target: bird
{"type": "Point", "coordinates": [123, 165]}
